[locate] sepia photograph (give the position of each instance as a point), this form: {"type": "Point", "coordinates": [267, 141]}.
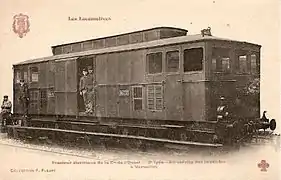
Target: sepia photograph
{"type": "Point", "coordinates": [140, 90]}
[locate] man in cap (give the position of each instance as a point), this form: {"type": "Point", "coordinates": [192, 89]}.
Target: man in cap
{"type": "Point", "coordinates": [6, 108]}
{"type": "Point", "coordinates": [91, 90]}
{"type": "Point", "coordinates": [24, 97]}
{"type": "Point", "coordinates": [222, 110]}
{"type": "Point", "coordinates": [84, 88]}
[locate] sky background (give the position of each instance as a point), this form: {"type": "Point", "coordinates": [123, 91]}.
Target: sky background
{"type": "Point", "coordinates": [255, 21]}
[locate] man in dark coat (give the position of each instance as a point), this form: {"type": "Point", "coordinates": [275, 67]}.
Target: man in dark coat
{"type": "Point", "coordinates": [24, 97]}
{"type": "Point", "coordinates": [6, 108]}
{"type": "Point", "coordinates": [84, 89]}
{"type": "Point", "coordinates": [91, 89]}
{"type": "Point", "coordinates": [222, 110]}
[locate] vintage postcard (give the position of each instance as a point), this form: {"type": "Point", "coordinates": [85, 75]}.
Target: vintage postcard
{"type": "Point", "coordinates": [140, 90]}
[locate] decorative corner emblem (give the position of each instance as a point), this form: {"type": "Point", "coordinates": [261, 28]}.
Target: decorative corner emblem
{"type": "Point", "coordinates": [21, 24]}
{"type": "Point", "coordinates": [263, 165]}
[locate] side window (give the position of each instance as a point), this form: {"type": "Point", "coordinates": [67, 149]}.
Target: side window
{"type": "Point", "coordinates": [221, 60]}
{"type": "Point", "coordinates": [225, 62]}
{"type": "Point", "coordinates": [242, 64]}
{"type": "Point", "coordinates": [34, 95]}
{"type": "Point", "coordinates": [137, 98]}
{"type": "Point", "coordinates": [25, 76]}
{"type": "Point", "coordinates": [253, 64]}
{"type": "Point", "coordinates": [154, 63]}
{"type": "Point", "coordinates": [155, 97]}
{"type": "Point", "coordinates": [57, 50]}
{"type": "Point", "coordinates": [76, 47]}
{"type": "Point", "coordinates": [17, 76]}
{"type": "Point", "coordinates": [193, 59]}
{"type": "Point", "coordinates": [34, 74]}
{"type": "Point", "coordinates": [67, 49]}
{"type": "Point", "coordinates": [172, 61]}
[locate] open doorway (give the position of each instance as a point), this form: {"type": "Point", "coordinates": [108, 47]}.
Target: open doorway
{"type": "Point", "coordinates": [83, 63]}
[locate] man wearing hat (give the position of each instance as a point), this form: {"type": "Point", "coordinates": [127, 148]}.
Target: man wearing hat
{"type": "Point", "coordinates": [222, 110]}
{"type": "Point", "coordinates": [84, 88]}
{"type": "Point", "coordinates": [24, 97]}
{"type": "Point", "coordinates": [90, 89]}
{"type": "Point", "coordinates": [6, 108]}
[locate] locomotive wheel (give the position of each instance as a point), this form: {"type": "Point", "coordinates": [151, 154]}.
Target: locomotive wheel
{"type": "Point", "coordinates": [183, 136]}
{"type": "Point", "coordinates": [272, 124]}
{"type": "Point", "coordinates": [251, 128]}
{"type": "Point", "coordinates": [172, 135]}
{"type": "Point", "coordinates": [246, 129]}
{"type": "Point", "coordinates": [125, 131]}
{"type": "Point", "coordinates": [140, 145]}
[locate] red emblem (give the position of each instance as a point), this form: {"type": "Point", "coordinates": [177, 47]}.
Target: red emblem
{"type": "Point", "coordinates": [263, 165]}
{"type": "Point", "coordinates": [21, 24]}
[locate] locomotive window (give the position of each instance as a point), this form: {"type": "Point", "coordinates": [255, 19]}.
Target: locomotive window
{"type": "Point", "coordinates": [25, 76]}
{"type": "Point", "coordinates": [154, 62]}
{"type": "Point", "coordinates": [225, 64]}
{"type": "Point", "coordinates": [87, 45]}
{"type": "Point", "coordinates": [155, 97]}
{"type": "Point", "coordinates": [193, 59]}
{"type": "Point", "coordinates": [242, 64]}
{"type": "Point", "coordinates": [220, 60]}
{"type": "Point", "coordinates": [17, 76]}
{"type": "Point", "coordinates": [58, 50]}
{"type": "Point", "coordinates": [172, 61]}
{"type": "Point", "coordinates": [253, 64]}
{"type": "Point", "coordinates": [67, 49]}
{"type": "Point", "coordinates": [137, 98]}
{"type": "Point", "coordinates": [34, 74]}
{"type": "Point", "coordinates": [34, 95]}
{"type": "Point", "coordinates": [76, 47]}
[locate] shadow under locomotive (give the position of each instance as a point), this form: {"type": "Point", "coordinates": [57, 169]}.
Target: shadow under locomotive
{"type": "Point", "coordinates": [156, 86]}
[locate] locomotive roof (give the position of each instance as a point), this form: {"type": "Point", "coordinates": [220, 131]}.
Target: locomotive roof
{"type": "Point", "coordinates": [155, 28]}
{"type": "Point", "coordinates": [143, 45]}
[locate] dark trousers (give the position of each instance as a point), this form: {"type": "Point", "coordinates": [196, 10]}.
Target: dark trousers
{"type": "Point", "coordinates": [5, 117]}
{"type": "Point", "coordinates": [89, 100]}
{"type": "Point", "coordinates": [24, 104]}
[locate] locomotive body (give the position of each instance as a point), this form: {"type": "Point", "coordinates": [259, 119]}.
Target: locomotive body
{"type": "Point", "coordinates": [156, 76]}
{"type": "Point", "coordinates": [176, 78]}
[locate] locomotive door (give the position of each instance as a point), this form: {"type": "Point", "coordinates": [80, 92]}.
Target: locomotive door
{"type": "Point", "coordinates": [85, 63]}
{"type": "Point", "coordinates": [173, 86]}
{"type": "Point", "coordinates": [19, 73]}
{"type": "Point", "coordinates": [66, 87]}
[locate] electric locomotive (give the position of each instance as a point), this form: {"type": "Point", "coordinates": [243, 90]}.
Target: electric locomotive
{"type": "Point", "coordinates": [157, 83]}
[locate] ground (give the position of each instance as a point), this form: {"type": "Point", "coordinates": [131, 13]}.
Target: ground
{"type": "Point", "coordinates": [21, 161]}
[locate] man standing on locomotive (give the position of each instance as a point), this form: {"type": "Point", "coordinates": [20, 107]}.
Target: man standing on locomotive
{"type": "Point", "coordinates": [90, 87]}
{"type": "Point", "coordinates": [24, 97]}
{"type": "Point", "coordinates": [6, 108]}
{"type": "Point", "coordinates": [222, 110]}
{"type": "Point", "coordinates": [84, 88]}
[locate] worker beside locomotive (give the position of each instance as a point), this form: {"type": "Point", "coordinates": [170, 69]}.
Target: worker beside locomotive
{"type": "Point", "coordinates": [5, 115]}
